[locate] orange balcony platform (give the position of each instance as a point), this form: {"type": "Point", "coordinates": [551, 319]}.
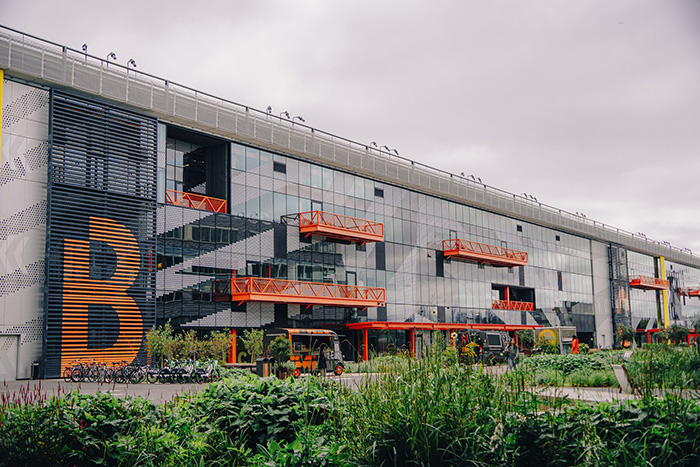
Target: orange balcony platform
{"type": "Point", "coordinates": [648, 283]}
{"type": "Point", "coordinates": [694, 292]}
{"type": "Point", "coordinates": [256, 289]}
{"type": "Point", "coordinates": [193, 200]}
{"type": "Point", "coordinates": [513, 305]}
{"type": "Point", "coordinates": [483, 253]}
{"type": "Point", "coordinates": [340, 227]}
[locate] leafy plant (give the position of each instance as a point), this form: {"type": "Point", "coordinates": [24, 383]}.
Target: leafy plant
{"type": "Point", "coordinates": [526, 339]}
{"type": "Point", "coordinates": [678, 333]}
{"type": "Point", "coordinates": [280, 348]}
{"type": "Point", "coordinates": [627, 333]}
{"type": "Point", "coordinates": [253, 343]}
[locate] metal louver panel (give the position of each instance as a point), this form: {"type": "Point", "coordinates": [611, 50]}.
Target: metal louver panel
{"type": "Point", "coordinates": [101, 234]}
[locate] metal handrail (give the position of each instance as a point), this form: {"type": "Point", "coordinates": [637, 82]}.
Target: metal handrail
{"type": "Point", "coordinates": [340, 221]}
{"type": "Point", "coordinates": [337, 144]}
{"type": "Point", "coordinates": [321, 293]}
{"type": "Point", "coordinates": [498, 252]}
{"type": "Point", "coordinates": [513, 305]}
{"type": "Point", "coordinates": [194, 200]}
{"type": "Point", "coordinates": [648, 281]}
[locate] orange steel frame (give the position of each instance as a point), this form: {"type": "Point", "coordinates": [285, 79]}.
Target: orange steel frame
{"type": "Point", "coordinates": [648, 283]}
{"type": "Point", "coordinates": [412, 327]}
{"type": "Point", "coordinates": [483, 253]}
{"type": "Point", "coordinates": [342, 227]}
{"type": "Point", "coordinates": [193, 200]}
{"type": "Point", "coordinates": [513, 305]}
{"type": "Point", "coordinates": [258, 289]}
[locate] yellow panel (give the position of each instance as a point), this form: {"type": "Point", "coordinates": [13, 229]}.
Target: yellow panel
{"type": "Point", "coordinates": [662, 273]}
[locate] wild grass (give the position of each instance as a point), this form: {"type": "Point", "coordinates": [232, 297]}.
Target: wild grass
{"type": "Point", "coordinates": [419, 413]}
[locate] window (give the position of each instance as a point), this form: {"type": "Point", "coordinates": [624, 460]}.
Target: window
{"type": "Point", "coordinates": [379, 192]}
{"type": "Point", "coordinates": [557, 238]}
{"type": "Point", "coordinates": [279, 167]}
{"type": "Point", "coordinates": [560, 282]}
{"type": "Point", "coordinates": [519, 228]}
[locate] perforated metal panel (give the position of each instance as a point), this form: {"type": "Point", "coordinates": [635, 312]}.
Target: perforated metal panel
{"type": "Point", "coordinates": [102, 203]}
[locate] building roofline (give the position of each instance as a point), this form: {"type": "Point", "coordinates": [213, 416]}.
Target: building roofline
{"type": "Point", "coordinates": [32, 58]}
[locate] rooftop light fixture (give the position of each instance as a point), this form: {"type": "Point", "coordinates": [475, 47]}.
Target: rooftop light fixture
{"type": "Point", "coordinates": [84, 47]}
{"type": "Point", "coordinates": [373, 143]}
{"type": "Point", "coordinates": [301, 119]}
{"type": "Point", "coordinates": [269, 109]}
{"type": "Point", "coordinates": [285, 113]}
{"type": "Point", "coordinates": [131, 62]}
{"type": "Point", "coordinates": [111, 55]}
{"type": "Point", "coordinates": [385, 147]}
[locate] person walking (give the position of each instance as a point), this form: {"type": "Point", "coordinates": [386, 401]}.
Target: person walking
{"type": "Point", "coordinates": [512, 354]}
{"type": "Point", "coordinates": [322, 361]}
{"type": "Point", "coordinates": [574, 344]}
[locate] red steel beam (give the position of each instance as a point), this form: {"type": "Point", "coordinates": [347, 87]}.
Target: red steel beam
{"type": "Point", "coordinates": [484, 253]}
{"type": "Point", "coordinates": [342, 227]}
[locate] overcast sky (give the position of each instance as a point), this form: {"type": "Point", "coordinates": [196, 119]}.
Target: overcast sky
{"type": "Point", "coordinates": [591, 106]}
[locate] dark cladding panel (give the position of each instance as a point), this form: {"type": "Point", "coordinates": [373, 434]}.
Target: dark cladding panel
{"type": "Point", "coordinates": [101, 268]}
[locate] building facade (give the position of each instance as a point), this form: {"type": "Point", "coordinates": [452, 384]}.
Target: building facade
{"type": "Point", "coordinates": [128, 201]}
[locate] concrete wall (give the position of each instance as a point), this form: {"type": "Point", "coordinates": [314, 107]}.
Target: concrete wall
{"type": "Point", "coordinates": [23, 208]}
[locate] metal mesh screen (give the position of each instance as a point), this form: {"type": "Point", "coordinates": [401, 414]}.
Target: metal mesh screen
{"type": "Point", "coordinates": [102, 203]}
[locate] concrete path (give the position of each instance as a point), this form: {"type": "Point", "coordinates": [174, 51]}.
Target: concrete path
{"type": "Point", "coordinates": [160, 393]}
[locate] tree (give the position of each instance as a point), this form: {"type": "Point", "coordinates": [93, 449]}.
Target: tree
{"type": "Point", "coordinates": [161, 342]}
{"type": "Point", "coordinates": [526, 338]}
{"type": "Point", "coordinates": [627, 334]}
{"type": "Point", "coordinates": [678, 333]}
{"type": "Point", "coordinates": [280, 348]}
{"type": "Point", "coordinates": [253, 343]}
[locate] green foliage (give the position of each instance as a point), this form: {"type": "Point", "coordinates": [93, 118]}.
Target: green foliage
{"type": "Point", "coordinates": [584, 348]}
{"type": "Point", "coordinates": [222, 425]}
{"type": "Point", "coordinates": [280, 348]}
{"type": "Point", "coordinates": [423, 413]}
{"type": "Point", "coordinates": [383, 364]}
{"type": "Point", "coordinates": [161, 342]}
{"type": "Point", "coordinates": [660, 366]}
{"type": "Point", "coordinates": [678, 333]}
{"type": "Point", "coordinates": [253, 343]}
{"type": "Point", "coordinates": [627, 333]}
{"type": "Point", "coordinates": [165, 344]}
{"type": "Point", "coordinates": [583, 370]}
{"type": "Point", "coordinates": [547, 346]}
{"type": "Point", "coordinates": [449, 356]}
{"type": "Point", "coordinates": [526, 339]}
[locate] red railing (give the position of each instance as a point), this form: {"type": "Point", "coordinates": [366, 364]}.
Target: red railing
{"type": "Point", "coordinates": [648, 283]}
{"type": "Point", "coordinates": [694, 292]}
{"type": "Point", "coordinates": [255, 289]}
{"type": "Point", "coordinates": [342, 227]}
{"type": "Point", "coordinates": [193, 200]}
{"type": "Point", "coordinates": [513, 305]}
{"type": "Point", "coordinates": [483, 253]}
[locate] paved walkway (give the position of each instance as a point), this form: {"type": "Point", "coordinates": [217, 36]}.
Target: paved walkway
{"type": "Point", "coordinates": [156, 392]}
{"type": "Point", "coordinates": [160, 393]}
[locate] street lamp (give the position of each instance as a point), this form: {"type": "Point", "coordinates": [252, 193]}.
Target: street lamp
{"type": "Point", "coordinates": [111, 55]}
